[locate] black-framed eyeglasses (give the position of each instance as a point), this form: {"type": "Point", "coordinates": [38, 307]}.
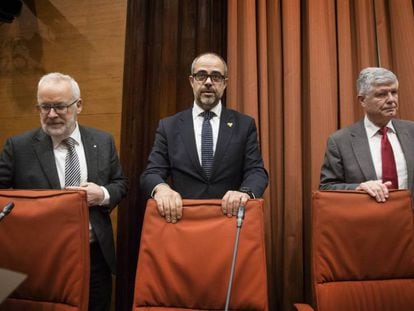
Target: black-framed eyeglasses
{"type": "Point", "coordinates": [202, 76]}
{"type": "Point", "coordinates": [59, 108]}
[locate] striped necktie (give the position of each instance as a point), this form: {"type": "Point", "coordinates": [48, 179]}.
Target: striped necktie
{"type": "Point", "coordinates": [72, 166]}
{"type": "Point", "coordinates": [207, 156]}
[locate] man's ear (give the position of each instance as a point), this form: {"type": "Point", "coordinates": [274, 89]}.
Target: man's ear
{"type": "Point", "coordinates": [361, 100]}
{"type": "Point", "coordinates": [191, 79]}
{"type": "Point", "coordinates": [79, 105]}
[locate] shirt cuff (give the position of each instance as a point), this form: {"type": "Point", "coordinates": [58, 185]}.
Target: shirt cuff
{"type": "Point", "coordinates": [155, 188]}
{"type": "Point", "coordinates": [105, 201]}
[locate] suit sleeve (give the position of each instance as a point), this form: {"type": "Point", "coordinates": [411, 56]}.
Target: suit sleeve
{"type": "Point", "coordinates": [255, 175]}
{"type": "Point", "coordinates": [117, 182]}
{"type": "Point", "coordinates": [158, 166]}
{"type": "Point", "coordinates": [6, 165]}
{"type": "Point", "coordinates": [333, 170]}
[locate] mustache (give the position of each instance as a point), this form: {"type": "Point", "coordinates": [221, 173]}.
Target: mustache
{"type": "Point", "coordinates": [53, 123]}
{"type": "Point", "coordinates": [209, 90]}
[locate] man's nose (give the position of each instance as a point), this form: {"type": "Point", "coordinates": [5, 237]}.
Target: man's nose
{"type": "Point", "coordinates": [208, 80]}
{"type": "Point", "coordinates": [52, 113]}
{"type": "Point", "coordinates": [391, 96]}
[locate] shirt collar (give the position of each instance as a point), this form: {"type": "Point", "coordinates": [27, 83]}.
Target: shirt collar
{"type": "Point", "coordinates": [75, 135]}
{"type": "Point", "coordinates": [372, 129]}
{"type": "Point", "coordinates": [216, 109]}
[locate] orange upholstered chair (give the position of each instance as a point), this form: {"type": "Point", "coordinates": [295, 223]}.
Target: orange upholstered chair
{"type": "Point", "coordinates": [46, 237]}
{"type": "Point", "coordinates": [362, 252]}
{"type": "Point", "coordinates": [186, 266]}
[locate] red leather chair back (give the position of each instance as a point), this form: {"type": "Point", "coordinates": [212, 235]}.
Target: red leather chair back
{"type": "Point", "coordinates": [46, 237]}
{"type": "Point", "coordinates": [186, 266]}
{"type": "Point", "coordinates": [362, 251]}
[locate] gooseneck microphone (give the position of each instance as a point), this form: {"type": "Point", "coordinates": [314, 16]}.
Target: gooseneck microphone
{"type": "Point", "coordinates": [240, 216]}
{"type": "Point", "coordinates": [239, 223]}
{"type": "Point", "coordinates": [6, 210]}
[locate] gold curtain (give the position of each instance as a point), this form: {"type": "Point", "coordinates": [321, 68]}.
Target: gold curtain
{"type": "Point", "coordinates": [293, 66]}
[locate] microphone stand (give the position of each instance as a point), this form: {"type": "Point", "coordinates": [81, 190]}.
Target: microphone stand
{"type": "Point", "coordinates": [6, 210]}
{"type": "Point", "coordinates": [239, 222]}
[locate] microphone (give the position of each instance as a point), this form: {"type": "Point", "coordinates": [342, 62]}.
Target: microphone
{"type": "Point", "coordinates": [239, 222]}
{"type": "Point", "coordinates": [6, 210]}
{"type": "Point", "coordinates": [240, 216]}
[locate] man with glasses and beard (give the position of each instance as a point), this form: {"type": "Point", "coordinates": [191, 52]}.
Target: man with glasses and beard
{"type": "Point", "coordinates": [207, 151]}
{"type": "Point", "coordinates": [63, 154]}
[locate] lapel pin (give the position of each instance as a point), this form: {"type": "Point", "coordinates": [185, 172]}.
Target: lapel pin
{"type": "Point", "coordinates": [230, 124]}
{"type": "Point", "coordinates": [94, 146]}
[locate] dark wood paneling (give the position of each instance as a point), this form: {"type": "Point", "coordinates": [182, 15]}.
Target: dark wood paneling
{"type": "Point", "coordinates": [162, 39]}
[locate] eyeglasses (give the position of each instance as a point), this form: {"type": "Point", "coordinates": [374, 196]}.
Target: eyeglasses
{"type": "Point", "coordinates": [59, 108]}
{"type": "Point", "coordinates": [202, 76]}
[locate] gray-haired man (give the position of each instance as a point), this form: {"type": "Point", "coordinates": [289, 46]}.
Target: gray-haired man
{"type": "Point", "coordinates": [377, 153]}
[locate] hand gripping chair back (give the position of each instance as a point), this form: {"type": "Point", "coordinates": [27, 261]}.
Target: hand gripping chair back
{"type": "Point", "coordinates": [46, 237]}
{"type": "Point", "coordinates": [362, 252]}
{"type": "Point", "coordinates": [186, 266]}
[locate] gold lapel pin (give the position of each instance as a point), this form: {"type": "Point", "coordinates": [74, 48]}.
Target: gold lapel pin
{"type": "Point", "coordinates": [229, 124]}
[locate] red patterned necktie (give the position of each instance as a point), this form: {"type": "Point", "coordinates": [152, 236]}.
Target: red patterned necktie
{"type": "Point", "coordinates": [389, 169]}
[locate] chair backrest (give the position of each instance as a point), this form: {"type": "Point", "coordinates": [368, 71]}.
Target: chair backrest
{"type": "Point", "coordinates": [362, 251]}
{"type": "Point", "coordinates": [46, 237]}
{"type": "Point", "coordinates": [186, 266]}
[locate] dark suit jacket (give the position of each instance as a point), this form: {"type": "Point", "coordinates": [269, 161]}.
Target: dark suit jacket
{"type": "Point", "coordinates": [348, 160]}
{"type": "Point", "coordinates": [237, 160]}
{"type": "Point", "coordinates": [27, 162]}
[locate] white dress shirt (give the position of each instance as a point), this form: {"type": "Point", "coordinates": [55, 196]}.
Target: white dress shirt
{"type": "Point", "coordinates": [374, 139]}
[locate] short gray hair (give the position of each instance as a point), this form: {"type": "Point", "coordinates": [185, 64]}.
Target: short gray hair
{"type": "Point", "coordinates": [58, 77]}
{"type": "Point", "coordinates": [372, 76]}
{"type": "Point", "coordinates": [213, 54]}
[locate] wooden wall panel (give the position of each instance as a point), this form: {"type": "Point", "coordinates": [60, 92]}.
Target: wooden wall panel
{"type": "Point", "coordinates": [84, 39]}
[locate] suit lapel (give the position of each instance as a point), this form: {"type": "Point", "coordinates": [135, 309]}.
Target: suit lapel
{"type": "Point", "coordinates": [91, 148]}
{"type": "Point", "coordinates": [43, 148]}
{"type": "Point", "coordinates": [407, 146]}
{"type": "Point", "coordinates": [227, 124]}
{"type": "Point", "coordinates": [360, 147]}
{"type": "Point", "coordinates": [186, 130]}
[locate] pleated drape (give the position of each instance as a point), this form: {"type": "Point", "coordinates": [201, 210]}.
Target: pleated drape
{"type": "Point", "coordinates": [293, 66]}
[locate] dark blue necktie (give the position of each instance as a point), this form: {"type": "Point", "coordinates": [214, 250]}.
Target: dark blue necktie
{"type": "Point", "coordinates": [207, 155]}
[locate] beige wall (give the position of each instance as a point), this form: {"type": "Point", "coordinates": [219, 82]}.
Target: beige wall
{"type": "Point", "coordinates": [84, 39]}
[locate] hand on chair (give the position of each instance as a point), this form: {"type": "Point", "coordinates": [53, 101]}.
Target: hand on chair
{"type": "Point", "coordinates": [169, 203]}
